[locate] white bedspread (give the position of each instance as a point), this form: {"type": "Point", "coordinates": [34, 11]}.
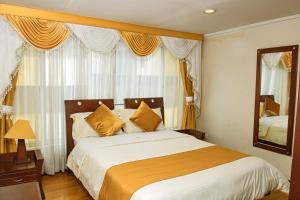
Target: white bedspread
{"type": "Point", "coordinates": [247, 178]}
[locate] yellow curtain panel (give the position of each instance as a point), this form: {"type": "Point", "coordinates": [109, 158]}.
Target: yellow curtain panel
{"type": "Point", "coordinates": [188, 118]}
{"type": "Point", "coordinates": [7, 145]}
{"type": "Point", "coordinates": [141, 44]}
{"type": "Point", "coordinates": [287, 60]}
{"type": "Point", "coordinates": [40, 33]}
{"type": "Point", "coordinates": [287, 65]}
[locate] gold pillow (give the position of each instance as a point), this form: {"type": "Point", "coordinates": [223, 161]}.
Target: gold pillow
{"type": "Point", "coordinates": [104, 121]}
{"type": "Point", "coordinates": [271, 107]}
{"type": "Point", "coordinates": [145, 118]}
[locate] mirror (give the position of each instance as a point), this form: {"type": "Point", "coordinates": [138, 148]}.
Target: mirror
{"type": "Point", "coordinates": [276, 81]}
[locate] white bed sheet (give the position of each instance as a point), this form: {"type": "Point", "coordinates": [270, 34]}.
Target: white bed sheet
{"type": "Point", "coordinates": [247, 178]}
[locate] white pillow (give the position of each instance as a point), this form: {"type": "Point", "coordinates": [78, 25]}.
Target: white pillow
{"type": "Point", "coordinates": [81, 128]}
{"type": "Point", "coordinates": [130, 127]}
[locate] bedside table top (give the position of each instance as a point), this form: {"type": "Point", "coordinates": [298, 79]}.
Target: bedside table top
{"type": "Point", "coordinates": [21, 191]}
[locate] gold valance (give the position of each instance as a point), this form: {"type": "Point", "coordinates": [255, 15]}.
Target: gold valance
{"type": "Point", "coordinates": [141, 44]}
{"type": "Point", "coordinates": [6, 9]}
{"type": "Point", "coordinates": [40, 33]}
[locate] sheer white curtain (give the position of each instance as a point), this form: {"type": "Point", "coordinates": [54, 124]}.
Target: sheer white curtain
{"type": "Point", "coordinates": [10, 51]}
{"type": "Point", "coordinates": [138, 76]}
{"type": "Point", "coordinates": [173, 91]}
{"type": "Point", "coordinates": [46, 79]}
{"type": "Point", "coordinates": [156, 75]}
{"type": "Point", "coordinates": [275, 81]}
{"type": "Point", "coordinates": [101, 40]}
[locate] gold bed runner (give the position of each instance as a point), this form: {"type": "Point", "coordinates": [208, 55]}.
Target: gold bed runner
{"type": "Point", "coordinates": [121, 181]}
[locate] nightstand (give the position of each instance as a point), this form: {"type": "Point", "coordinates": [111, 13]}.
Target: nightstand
{"type": "Point", "coordinates": [197, 134]}
{"type": "Point", "coordinates": [13, 174]}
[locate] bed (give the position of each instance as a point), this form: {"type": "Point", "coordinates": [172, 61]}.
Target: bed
{"type": "Point", "coordinates": [273, 129]}
{"type": "Point", "coordinates": [91, 158]}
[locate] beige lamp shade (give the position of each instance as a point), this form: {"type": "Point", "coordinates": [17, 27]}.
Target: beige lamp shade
{"type": "Point", "coordinates": [20, 130]}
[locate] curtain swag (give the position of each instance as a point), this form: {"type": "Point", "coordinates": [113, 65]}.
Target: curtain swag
{"type": "Point", "coordinates": [141, 44]}
{"type": "Point", "coordinates": [271, 60]}
{"type": "Point", "coordinates": [180, 48]}
{"type": "Point", "coordinates": [101, 40]}
{"type": "Point", "coordinates": [42, 34]}
{"type": "Point", "coordinates": [283, 60]}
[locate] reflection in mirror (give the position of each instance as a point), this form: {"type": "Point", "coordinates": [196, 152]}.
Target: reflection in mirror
{"type": "Point", "coordinates": [274, 96]}
{"type": "Point", "coordinates": [276, 79]}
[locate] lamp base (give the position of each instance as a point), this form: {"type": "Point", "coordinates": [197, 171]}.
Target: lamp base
{"type": "Point", "coordinates": [21, 156]}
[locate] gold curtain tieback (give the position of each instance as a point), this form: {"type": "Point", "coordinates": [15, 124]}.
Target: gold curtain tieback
{"type": "Point", "coordinates": [189, 100]}
{"type": "Point", "coordinates": [182, 60]}
{"type": "Point", "coordinates": [6, 110]}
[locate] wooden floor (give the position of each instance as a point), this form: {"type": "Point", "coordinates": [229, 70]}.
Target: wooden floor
{"type": "Point", "coordinates": [65, 186]}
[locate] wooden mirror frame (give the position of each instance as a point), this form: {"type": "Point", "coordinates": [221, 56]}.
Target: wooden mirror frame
{"type": "Point", "coordinates": [283, 149]}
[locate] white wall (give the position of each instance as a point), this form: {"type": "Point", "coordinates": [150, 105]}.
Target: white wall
{"type": "Point", "coordinates": [228, 85]}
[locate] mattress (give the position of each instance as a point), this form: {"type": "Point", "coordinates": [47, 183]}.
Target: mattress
{"type": "Point", "coordinates": [246, 178]}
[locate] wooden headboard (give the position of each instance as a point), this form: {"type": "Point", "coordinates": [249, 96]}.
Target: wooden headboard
{"type": "Point", "coordinates": [263, 97]}
{"type": "Point", "coordinates": [77, 106]}
{"type": "Point", "coordinates": [155, 102]}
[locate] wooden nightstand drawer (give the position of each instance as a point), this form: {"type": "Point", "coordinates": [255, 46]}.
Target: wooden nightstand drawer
{"type": "Point", "coordinates": [13, 174]}
{"type": "Point", "coordinates": [18, 180]}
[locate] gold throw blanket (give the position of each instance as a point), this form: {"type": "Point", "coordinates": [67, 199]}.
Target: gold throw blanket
{"type": "Point", "coordinates": [121, 181]}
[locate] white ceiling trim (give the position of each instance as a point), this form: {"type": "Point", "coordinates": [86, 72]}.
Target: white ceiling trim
{"type": "Point", "coordinates": [250, 26]}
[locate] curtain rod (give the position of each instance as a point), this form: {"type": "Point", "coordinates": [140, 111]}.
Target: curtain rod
{"type": "Point", "coordinates": [6, 9]}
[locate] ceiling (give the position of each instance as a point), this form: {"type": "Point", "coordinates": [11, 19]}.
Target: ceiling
{"type": "Point", "coordinates": [181, 15]}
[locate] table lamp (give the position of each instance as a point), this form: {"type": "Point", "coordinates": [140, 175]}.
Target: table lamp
{"type": "Point", "coordinates": [21, 130]}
